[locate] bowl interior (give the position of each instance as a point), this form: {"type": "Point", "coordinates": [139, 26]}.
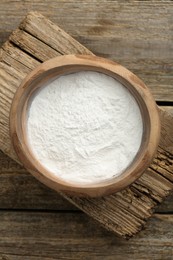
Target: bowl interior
{"type": "Point", "coordinates": [51, 75]}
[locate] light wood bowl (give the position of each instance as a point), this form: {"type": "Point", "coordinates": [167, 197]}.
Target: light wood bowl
{"type": "Point", "coordinates": [73, 63]}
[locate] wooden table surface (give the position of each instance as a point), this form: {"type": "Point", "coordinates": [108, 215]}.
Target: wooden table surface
{"type": "Point", "coordinates": [35, 222]}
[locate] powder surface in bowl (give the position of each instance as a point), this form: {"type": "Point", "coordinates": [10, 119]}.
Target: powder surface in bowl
{"type": "Point", "coordinates": [84, 127]}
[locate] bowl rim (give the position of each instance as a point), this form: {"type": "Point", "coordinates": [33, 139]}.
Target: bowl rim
{"type": "Point", "coordinates": [73, 63]}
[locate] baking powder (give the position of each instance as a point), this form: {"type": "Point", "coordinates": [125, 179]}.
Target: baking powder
{"type": "Point", "coordinates": [84, 127]}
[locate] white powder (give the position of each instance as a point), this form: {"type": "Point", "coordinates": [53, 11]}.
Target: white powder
{"type": "Point", "coordinates": [84, 127]}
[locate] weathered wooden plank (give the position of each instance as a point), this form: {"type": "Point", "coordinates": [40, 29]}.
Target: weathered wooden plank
{"type": "Point", "coordinates": [32, 235]}
{"type": "Point", "coordinates": [32, 45]}
{"type": "Point", "coordinates": [14, 63]}
{"type": "Point", "coordinates": [12, 52]}
{"type": "Point", "coordinates": [7, 74]}
{"type": "Point", "coordinates": [65, 43]}
{"type": "Point", "coordinates": [137, 34]}
{"type": "Point", "coordinates": [126, 212]}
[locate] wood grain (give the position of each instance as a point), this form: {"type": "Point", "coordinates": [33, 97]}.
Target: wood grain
{"type": "Point", "coordinates": [20, 190]}
{"type": "Point", "coordinates": [124, 213]}
{"type": "Point", "coordinates": [137, 34]}
{"type": "Point", "coordinates": [29, 235]}
{"type": "Point", "coordinates": [32, 45]}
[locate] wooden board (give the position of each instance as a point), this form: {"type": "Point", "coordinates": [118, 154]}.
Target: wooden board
{"type": "Point", "coordinates": [30, 236]}
{"type": "Point", "coordinates": [126, 212]}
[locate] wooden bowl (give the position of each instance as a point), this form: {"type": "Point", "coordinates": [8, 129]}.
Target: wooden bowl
{"type": "Point", "coordinates": [74, 63]}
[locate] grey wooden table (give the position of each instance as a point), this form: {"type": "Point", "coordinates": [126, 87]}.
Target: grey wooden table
{"type": "Point", "coordinates": [35, 222]}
